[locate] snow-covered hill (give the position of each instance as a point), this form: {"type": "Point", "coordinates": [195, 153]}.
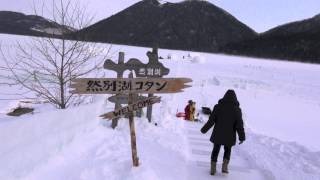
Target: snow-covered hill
{"type": "Point", "coordinates": [279, 101]}
{"type": "Point", "coordinates": [19, 23]}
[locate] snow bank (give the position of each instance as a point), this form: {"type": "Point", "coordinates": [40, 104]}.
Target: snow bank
{"type": "Point", "coordinates": [34, 139]}
{"type": "Point", "coordinates": [197, 58]}
{"type": "Point", "coordinates": [75, 144]}
{"type": "Point", "coordinates": [280, 159]}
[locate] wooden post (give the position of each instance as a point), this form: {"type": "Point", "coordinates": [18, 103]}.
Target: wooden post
{"type": "Point", "coordinates": [135, 158]}
{"type": "Point", "coordinates": [149, 110]}
{"type": "Point", "coordinates": [119, 75]}
{"type": "Point", "coordinates": [153, 58]}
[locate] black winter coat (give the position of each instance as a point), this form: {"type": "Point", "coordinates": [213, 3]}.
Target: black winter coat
{"type": "Point", "coordinates": [227, 120]}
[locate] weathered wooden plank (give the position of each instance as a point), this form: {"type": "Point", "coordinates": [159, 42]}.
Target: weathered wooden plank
{"type": "Point", "coordinates": [134, 152]}
{"type": "Point", "coordinates": [125, 85]}
{"type": "Point", "coordinates": [119, 75]}
{"type": "Point", "coordinates": [84, 80]}
{"type": "Point", "coordinates": [149, 110]}
{"type": "Point", "coordinates": [156, 69]}
{"type": "Point", "coordinates": [153, 68]}
{"type": "Point", "coordinates": [123, 98]}
{"type": "Point", "coordinates": [131, 108]}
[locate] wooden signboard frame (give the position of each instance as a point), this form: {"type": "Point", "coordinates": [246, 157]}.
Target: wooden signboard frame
{"type": "Point", "coordinates": [131, 86]}
{"type": "Point", "coordinates": [152, 69]}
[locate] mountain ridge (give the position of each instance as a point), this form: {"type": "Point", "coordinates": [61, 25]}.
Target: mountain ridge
{"type": "Point", "coordinates": [298, 41]}
{"type": "Point", "coordinates": [188, 25]}
{"type": "Point", "coordinates": [192, 25]}
{"type": "Point", "coordinates": [21, 24]}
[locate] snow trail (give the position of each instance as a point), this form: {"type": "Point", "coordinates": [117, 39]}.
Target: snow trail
{"type": "Point", "coordinates": [199, 158]}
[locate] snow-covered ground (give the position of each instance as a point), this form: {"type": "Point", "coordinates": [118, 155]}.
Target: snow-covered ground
{"type": "Point", "coordinates": [280, 102]}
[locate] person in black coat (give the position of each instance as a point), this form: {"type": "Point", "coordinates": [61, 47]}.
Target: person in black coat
{"type": "Point", "coordinates": [226, 118]}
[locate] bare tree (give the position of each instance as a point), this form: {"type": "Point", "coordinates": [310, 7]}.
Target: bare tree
{"type": "Point", "coordinates": [46, 66]}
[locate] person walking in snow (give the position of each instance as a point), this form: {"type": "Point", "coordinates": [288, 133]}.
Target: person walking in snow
{"type": "Point", "coordinates": [226, 118]}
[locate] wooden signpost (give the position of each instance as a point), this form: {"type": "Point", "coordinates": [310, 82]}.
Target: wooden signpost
{"type": "Point", "coordinates": [126, 90]}
{"type": "Point", "coordinates": [150, 70]}
{"type": "Point", "coordinates": [134, 153]}
{"type": "Point", "coordinates": [153, 60]}
{"type": "Point", "coordinates": [130, 86]}
{"type": "Point", "coordinates": [119, 75]}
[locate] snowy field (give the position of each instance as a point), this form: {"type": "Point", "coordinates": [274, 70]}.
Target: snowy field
{"type": "Point", "coordinates": [280, 102]}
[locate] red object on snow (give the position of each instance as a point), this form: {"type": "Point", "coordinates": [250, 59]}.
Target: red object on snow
{"type": "Point", "coordinates": [181, 114]}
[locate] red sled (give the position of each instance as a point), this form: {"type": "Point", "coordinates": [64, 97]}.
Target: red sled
{"type": "Point", "coordinates": [180, 114]}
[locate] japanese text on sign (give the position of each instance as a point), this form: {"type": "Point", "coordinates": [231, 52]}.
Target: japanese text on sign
{"type": "Point", "coordinates": [127, 85]}
{"type": "Point", "coordinates": [149, 72]}
{"type": "Point", "coordinates": [131, 108]}
{"type": "Point", "coordinates": [119, 86]}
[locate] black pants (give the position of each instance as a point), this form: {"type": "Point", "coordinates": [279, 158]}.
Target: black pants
{"type": "Point", "coordinates": [215, 152]}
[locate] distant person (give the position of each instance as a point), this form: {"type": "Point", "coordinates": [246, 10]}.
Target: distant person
{"type": "Point", "coordinates": [187, 110]}
{"type": "Point", "coordinates": [226, 118]}
{"type": "Point", "coordinates": [192, 111]}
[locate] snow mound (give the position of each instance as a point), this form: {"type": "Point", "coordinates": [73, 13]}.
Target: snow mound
{"type": "Point", "coordinates": [282, 160]}
{"type": "Point", "coordinates": [197, 58]}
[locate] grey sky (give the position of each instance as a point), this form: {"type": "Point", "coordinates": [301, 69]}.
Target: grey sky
{"type": "Point", "coordinates": [260, 15]}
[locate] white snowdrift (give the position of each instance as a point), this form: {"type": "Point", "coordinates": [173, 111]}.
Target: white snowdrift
{"type": "Point", "coordinates": [279, 101]}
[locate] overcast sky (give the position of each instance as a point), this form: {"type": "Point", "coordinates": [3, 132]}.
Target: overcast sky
{"type": "Point", "coordinates": [260, 15]}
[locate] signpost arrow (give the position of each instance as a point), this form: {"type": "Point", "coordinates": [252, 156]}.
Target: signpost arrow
{"type": "Point", "coordinates": [124, 99]}
{"type": "Point", "coordinates": [131, 108]}
{"type": "Point", "coordinates": [126, 85]}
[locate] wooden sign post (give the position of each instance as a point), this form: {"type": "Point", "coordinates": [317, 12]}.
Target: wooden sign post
{"type": "Point", "coordinates": [153, 69]}
{"type": "Point", "coordinates": [119, 75]}
{"type": "Point", "coordinates": [129, 110]}
{"type": "Point", "coordinates": [131, 86]}
{"type": "Point", "coordinates": [153, 60]}
{"type": "Point", "coordinates": [134, 152]}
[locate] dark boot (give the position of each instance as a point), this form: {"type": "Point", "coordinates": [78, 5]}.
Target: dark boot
{"type": "Point", "coordinates": [213, 168]}
{"type": "Point", "coordinates": [225, 166]}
